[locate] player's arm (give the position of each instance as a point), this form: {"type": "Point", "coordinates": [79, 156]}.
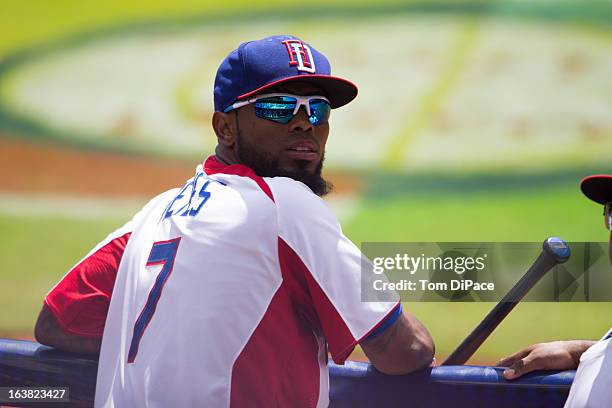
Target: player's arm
{"type": "Point", "coordinates": [48, 332]}
{"type": "Point", "coordinates": [404, 347]}
{"type": "Point", "coordinates": [74, 311]}
{"type": "Point", "coordinates": [556, 355]}
{"type": "Point", "coordinates": [327, 268]}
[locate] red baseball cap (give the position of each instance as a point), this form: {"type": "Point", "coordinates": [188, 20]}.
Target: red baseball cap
{"type": "Point", "coordinates": [598, 188]}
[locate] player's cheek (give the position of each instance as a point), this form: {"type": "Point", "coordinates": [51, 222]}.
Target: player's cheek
{"type": "Point", "coordinates": [322, 133]}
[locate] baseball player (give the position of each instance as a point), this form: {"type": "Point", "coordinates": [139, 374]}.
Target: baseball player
{"type": "Point", "coordinates": [599, 189]}
{"type": "Point", "coordinates": [231, 289]}
{"type": "Point", "coordinates": [592, 386]}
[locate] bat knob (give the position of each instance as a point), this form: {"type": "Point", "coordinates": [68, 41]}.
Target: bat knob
{"type": "Point", "coordinates": [557, 248]}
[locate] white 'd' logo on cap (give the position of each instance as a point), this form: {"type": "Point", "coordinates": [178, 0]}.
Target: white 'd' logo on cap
{"type": "Point", "coordinates": [300, 56]}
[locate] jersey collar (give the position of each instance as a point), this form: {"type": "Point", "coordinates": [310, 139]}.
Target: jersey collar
{"type": "Point", "coordinates": [214, 166]}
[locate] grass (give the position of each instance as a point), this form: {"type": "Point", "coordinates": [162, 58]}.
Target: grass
{"type": "Point", "coordinates": [511, 215]}
{"type": "Point", "coordinates": [36, 252]}
{"type": "Point", "coordinates": [506, 215]}
{"type": "Point", "coordinates": [30, 24]}
{"type": "Point", "coordinates": [528, 323]}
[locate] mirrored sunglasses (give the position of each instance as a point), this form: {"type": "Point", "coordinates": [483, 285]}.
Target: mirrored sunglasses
{"type": "Point", "coordinates": [282, 107]}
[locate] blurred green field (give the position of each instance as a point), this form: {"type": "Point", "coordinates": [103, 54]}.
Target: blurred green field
{"type": "Point", "coordinates": [513, 209]}
{"type": "Point", "coordinates": [24, 25]}
{"type": "Point", "coordinates": [36, 252]}
{"type": "Point", "coordinates": [434, 207]}
{"type": "Point", "coordinates": [528, 203]}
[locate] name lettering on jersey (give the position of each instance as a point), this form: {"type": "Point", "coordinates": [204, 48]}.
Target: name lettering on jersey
{"type": "Point", "coordinates": [300, 56]}
{"type": "Point", "coordinates": [191, 198]}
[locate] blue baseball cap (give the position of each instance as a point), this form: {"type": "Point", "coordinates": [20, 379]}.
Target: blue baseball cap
{"type": "Point", "coordinates": [257, 65]}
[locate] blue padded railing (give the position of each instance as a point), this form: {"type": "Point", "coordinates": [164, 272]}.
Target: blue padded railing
{"type": "Point", "coordinates": [25, 363]}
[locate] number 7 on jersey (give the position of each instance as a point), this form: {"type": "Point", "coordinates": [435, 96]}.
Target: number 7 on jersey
{"type": "Point", "coordinates": [162, 253]}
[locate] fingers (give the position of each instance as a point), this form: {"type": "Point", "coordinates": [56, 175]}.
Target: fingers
{"type": "Point", "coordinates": [519, 363]}
{"type": "Point", "coordinates": [515, 370]}
{"type": "Point", "coordinates": [523, 366]}
{"type": "Point", "coordinates": [508, 361]}
{"type": "Point", "coordinates": [556, 355]}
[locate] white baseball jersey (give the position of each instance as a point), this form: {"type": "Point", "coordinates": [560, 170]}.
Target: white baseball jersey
{"type": "Point", "coordinates": [592, 386]}
{"type": "Point", "coordinates": [228, 291]}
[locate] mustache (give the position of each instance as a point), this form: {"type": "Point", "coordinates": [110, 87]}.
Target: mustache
{"type": "Point", "coordinates": [305, 138]}
{"type": "Point", "coordinates": [266, 165]}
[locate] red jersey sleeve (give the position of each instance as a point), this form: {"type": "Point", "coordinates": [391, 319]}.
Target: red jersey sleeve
{"type": "Point", "coordinates": [79, 302]}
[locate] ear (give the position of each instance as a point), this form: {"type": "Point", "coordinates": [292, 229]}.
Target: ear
{"type": "Point", "coordinates": [224, 125]}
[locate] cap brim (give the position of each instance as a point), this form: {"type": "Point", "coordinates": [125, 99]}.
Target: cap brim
{"type": "Point", "coordinates": [598, 188]}
{"type": "Point", "coordinates": [338, 90]}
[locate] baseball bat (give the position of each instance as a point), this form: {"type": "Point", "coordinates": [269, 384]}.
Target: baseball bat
{"type": "Point", "coordinates": [555, 251]}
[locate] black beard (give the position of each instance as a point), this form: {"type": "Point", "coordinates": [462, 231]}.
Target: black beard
{"type": "Point", "coordinates": [265, 165]}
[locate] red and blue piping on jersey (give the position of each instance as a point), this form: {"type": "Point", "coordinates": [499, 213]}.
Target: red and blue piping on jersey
{"type": "Point", "coordinates": [385, 323]}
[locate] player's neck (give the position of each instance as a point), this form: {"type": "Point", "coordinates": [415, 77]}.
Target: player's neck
{"type": "Point", "coordinates": [224, 157]}
{"type": "Point", "coordinates": [221, 160]}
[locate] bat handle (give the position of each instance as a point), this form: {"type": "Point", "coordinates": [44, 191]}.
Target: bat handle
{"type": "Point", "coordinates": [554, 252]}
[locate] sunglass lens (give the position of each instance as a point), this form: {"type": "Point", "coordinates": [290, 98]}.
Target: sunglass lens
{"type": "Point", "coordinates": [278, 109]}
{"type": "Point", "coordinates": [319, 111]}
